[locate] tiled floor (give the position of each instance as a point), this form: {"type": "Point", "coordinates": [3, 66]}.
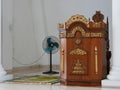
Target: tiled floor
{"type": "Point", "coordinates": [38, 71]}
{"type": "Point", "coordinates": [5, 86]}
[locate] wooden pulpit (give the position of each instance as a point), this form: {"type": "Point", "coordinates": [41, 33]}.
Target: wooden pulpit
{"type": "Point", "coordinates": [83, 51]}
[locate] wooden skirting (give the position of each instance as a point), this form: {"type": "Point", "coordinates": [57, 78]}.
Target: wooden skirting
{"type": "Point", "coordinates": [80, 83]}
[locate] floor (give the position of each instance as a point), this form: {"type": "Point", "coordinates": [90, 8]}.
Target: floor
{"type": "Point", "coordinates": [38, 71]}
{"type": "Point", "coordinates": [4, 86]}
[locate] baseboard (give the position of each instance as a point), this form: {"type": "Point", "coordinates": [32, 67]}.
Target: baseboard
{"type": "Point", "coordinates": [16, 69]}
{"type": "Point", "coordinates": [110, 83]}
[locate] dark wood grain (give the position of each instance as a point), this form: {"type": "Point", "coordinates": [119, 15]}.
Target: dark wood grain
{"type": "Point", "coordinates": [85, 69]}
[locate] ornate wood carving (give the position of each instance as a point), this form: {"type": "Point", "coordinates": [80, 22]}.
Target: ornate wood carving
{"type": "Point", "coordinates": [77, 41]}
{"type": "Point", "coordinates": [78, 67]}
{"type": "Point", "coordinates": [98, 17]}
{"type": "Point", "coordinates": [76, 18]}
{"type": "Point", "coordinates": [77, 51]}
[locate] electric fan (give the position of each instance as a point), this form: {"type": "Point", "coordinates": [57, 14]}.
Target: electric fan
{"type": "Point", "coordinates": [50, 46]}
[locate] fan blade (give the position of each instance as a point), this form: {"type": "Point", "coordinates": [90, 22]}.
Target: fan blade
{"type": "Point", "coordinates": [49, 40]}
{"type": "Point", "coordinates": [56, 44]}
{"type": "Point", "coordinates": [48, 49]}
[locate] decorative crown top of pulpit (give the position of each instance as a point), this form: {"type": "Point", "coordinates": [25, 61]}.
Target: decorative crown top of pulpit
{"type": "Point", "coordinates": [96, 23]}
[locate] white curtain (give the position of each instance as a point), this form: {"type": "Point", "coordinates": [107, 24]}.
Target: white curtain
{"type": "Point", "coordinates": [28, 31]}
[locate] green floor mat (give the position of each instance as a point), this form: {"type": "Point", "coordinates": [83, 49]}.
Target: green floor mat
{"type": "Point", "coordinates": [37, 79]}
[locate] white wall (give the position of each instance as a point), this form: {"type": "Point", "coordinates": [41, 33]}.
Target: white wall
{"type": "Point", "coordinates": [58, 11]}
{"type": "Point", "coordinates": [35, 19]}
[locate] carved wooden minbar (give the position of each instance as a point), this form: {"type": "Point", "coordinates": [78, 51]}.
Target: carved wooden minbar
{"type": "Point", "coordinates": [83, 52]}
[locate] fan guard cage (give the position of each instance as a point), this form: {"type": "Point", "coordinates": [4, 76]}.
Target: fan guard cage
{"type": "Point", "coordinates": [54, 40]}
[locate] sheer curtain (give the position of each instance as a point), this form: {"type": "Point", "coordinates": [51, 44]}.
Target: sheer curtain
{"type": "Point", "coordinates": [28, 32]}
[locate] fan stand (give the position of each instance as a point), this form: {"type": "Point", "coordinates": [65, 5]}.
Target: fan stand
{"type": "Point", "coordinates": [50, 71]}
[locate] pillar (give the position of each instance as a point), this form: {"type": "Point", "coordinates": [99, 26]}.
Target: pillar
{"type": "Point", "coordinates": [3, 75]}
{"type": "Point", "coordinates": [114, 75]}
{"type": "Point", "coordinates": [115, 70]}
